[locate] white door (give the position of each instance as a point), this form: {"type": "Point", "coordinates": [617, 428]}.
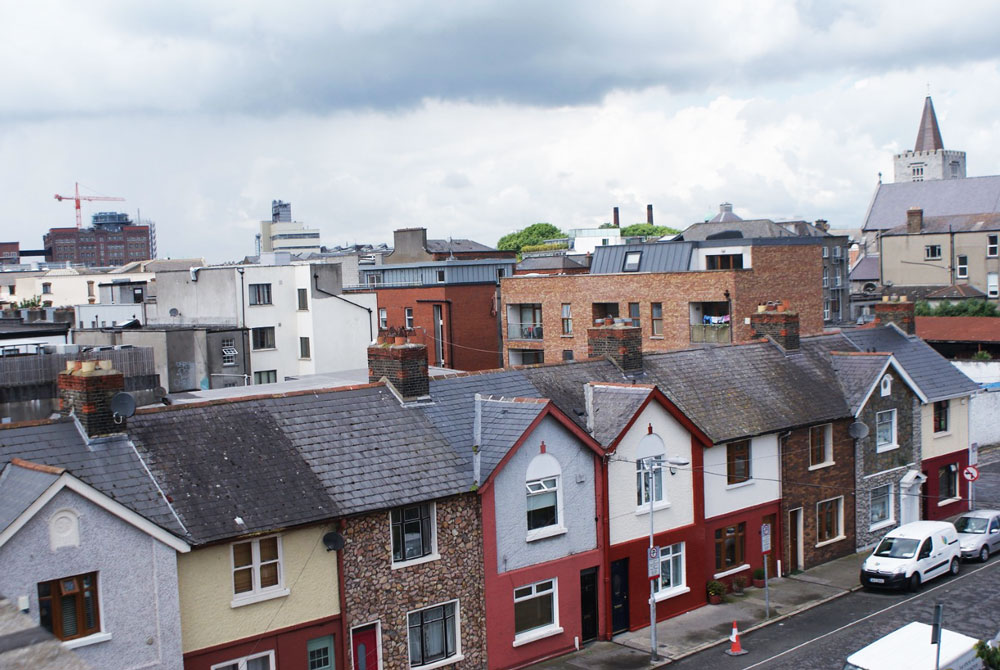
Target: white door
{"type": "Point", "coordinates": [909, 503]}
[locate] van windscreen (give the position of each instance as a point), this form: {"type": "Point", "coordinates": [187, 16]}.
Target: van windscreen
{"type": "Point", "coordinates": [897, 547]}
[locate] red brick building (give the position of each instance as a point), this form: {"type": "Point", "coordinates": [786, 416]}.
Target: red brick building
{"type": "Point", "coordinates": [112, 240]}
{"type": "Point", "coordinates": [679, 294]}
{"type": "Point", "coordinates": [10, 253]}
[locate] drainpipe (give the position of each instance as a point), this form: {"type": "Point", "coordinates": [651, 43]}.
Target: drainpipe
{"type": "Point", "coordinates": [243, 325]}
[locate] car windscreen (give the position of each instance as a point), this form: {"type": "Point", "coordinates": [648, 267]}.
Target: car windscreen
{"type": "Point", "coordinates": [897, 547]}
{"type": "Point", "coordinates": [971, 524]}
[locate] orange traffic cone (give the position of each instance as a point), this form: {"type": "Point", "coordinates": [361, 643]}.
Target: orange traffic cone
{"type": "Point", "coordinates": [734, 648]}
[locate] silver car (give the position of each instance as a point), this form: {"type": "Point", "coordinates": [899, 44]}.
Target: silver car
{"type": "Point", "coordinates": [979, 533]}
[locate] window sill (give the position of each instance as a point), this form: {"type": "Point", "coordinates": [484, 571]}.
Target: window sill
{"type": "Point", "coordinates": [656, 337]}
{"type": "Point", "coordinates": [943, 433]}
{"type": "Point", "coordinates": [266, 349]}
{"type": "Point", "coordinates": [85, 641]}
{"type": "Point", "coordinates": [567, 335]}
{"type": "Point", "coordinates": [739, 484]}
{"type": "Point", "coordinates": [948, 501]}
{"type": "Point", "coordinates": [416, 561]}
{"type": "Point", "coordinates": [258, 597]}
{"type": "Point", "coordinates": [885, 447]}
{"type": "Point", "coordinates": [830, 541]}
{"type": "Point", "coordinates": [305, 359]}
{"type": "Point", "coordinates": [644, 509]}
{"type": "Point", "coordinates": [440, 664]}
{"type": "Point", "coordinates": [535, 635]}
{"type": "Point", "coordinates": [731, 571]}
{"type": "Point", "coordinates": [542, 533]}
{"type": "Point", "coordinates": [820, 466]}
{"type": "Point", "coordinates": [882, 524]}
{"type": "Point", "coordinates": [671, 593]}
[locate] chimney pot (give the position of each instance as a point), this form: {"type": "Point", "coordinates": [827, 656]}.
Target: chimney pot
{"type": "Point", "coordinates": [782, 327]}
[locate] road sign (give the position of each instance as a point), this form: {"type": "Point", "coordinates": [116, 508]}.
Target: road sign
{"type": "Point", "coordinates": [765, 538]}
{"type": "Point", "coordinates": [653, 563]}
{"type": "Point", "coordinates": [971, 473]}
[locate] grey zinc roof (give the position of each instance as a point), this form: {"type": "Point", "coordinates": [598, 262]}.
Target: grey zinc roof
{"type": "Point", "coordinates": [560, 262]}
{"type": "Point", "coordinates": [613, 407]}
{"type": "Point", "coordinates": [456, 245]}
{"type": "Point", "coordinates": [19, 487]}
{"type": "Point", "coordinates": [857, 373]}
{"type": "Point", "coordinates": [656, 257]}
{"type": "Point", "coordinates": [109, 464]}
{"type": "Point", "coordinates": [931, 372]}
{"type": "Point", "coordinates": [937, 197]}
{"type": "Point", "coordinates": [503, 423]}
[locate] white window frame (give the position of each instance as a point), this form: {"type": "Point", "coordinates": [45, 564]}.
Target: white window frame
{"type": "Point", "coordinates": [840, 521]}
{"type": "Point", "coordinates": [449, 660]}
{"type": "Point", "coordinates": [549, 629]}
{"type": "Point", "coordinates": [259, 294]}
{"type": "Point", "coordinates": [642, 477]}
{"type": "Point", "coordinates": [677, 587]}
{"type": "Point", "coordinates": [228, 343]}
{"type": "Point", "coordinates": [241, 663]}
{"type": "Point", "coordinates": [566, 314]}
{"type": "Point", "coordinates": [257, 594]}
{"type": "Point", "coordinates": [992, 285]}
{"type": "Point", "coordinates": [544, 467]}
{"type": "Point", "coordinates": [929, 252]}
{"type": "Point", "coordinates": [885, 386]}
{"type": "Point", "coordinates": [962, 267]}
{"type": "Point", "coordinates": [893, 443]}
{"type": "Point", "coordinates": [632, 261]}
{"type": "Point", "coordinates": [383, 318]}
{"type": "Point", "coordinates": [426, 558]}
{"type": "Point", "coordinates": [826, 277]}
{"type": "Point", "coordinates": [827, 447]}
{"type": "Point", "coordinates": [408, 315]}
{"type": "Point", "coordinates": [992, 245]}
{"type": "Point", "coordinates": [440, 276]}
{"type": "Point", "coordinates": [890, 519]}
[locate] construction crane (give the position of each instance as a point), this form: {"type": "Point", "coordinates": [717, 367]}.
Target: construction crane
{"type": "Point", "coordinates": [78, 198]}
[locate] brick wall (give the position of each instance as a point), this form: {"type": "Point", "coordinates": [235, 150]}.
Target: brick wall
{"type": "Point", "coordinates": [783, 327]}
{"type": "Point", "coordinates": [405, 365]}
{"type": "Point", "coordinates": [804, 488]}
{"type": "Point", "coordinates": [88, 393]}
{"type": "Point", "coordinates": [792, 273]}
{"type": "Point", "coordinates": [622, 344]}
{"type": "Point", "coordinates": [373, 591]}
{"type": "Point", "coordinates": [903, 314]}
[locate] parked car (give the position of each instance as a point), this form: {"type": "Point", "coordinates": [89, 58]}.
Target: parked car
{"type": "Point", "coordinates": [910, 647]}
{"type": "Point", "coordinates": [979, 533]}
{"type": "Point", "coordinates": [912, 554]}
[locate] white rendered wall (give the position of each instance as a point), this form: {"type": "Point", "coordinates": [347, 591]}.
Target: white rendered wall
{"type": "Point", "coordinates": [764, 484]}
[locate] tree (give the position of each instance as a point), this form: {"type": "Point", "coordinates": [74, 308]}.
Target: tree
{"type": "Point", "coordinates": [534, 234]}
{"type": "Point", "coordinates": [989, 654]}
{"type": "Point", "coordinates": [647, 230]}
{"type": "Point", "coordinates": [962, 308]}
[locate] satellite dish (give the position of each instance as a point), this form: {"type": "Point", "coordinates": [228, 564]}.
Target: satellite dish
{"type": "Point", "coordinates": [123, 405]}
{"type": "Point", "coordinates": [333, 541]}
{"type": "Point", "coordinates": [174, 311]}
{"type": "Point", "coordinates": [858, 430]}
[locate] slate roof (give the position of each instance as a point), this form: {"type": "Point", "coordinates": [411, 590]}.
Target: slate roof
{"type": "Point", "coordinates": [613, 407]}
{"type": "Point", "coordinates": [19, 487]}
{"type": "Point", "coordinates": [952, 223]}
{"type": "Point", "coordinates": [560, 262]}
{"type": "Point", "coordinates": [109, 464]}
{"type": "Point", "coordinates": [751, 228]}
{"type": "Point", "coordinates": [857, 372]}
{"type": "Point", "coordinates": [503, 423]}
{"type": "Point", "coordinates": [931, 372]}
{"type": "Point", "coordinates": [958, 328]}
{"type": "Point", "coordinates": [937, 197]}
{"type": "Point", "coordinates": [956, 292]}
{"type": "Point", "coordinates": [865, 269]}
{"type": "Point", "coordinates": [656, 257]}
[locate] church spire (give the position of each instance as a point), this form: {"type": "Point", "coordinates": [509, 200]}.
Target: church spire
{"type": "Point", "coordinates": [929, 135]}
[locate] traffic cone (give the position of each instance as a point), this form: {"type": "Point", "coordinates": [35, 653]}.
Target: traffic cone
{"type": "Point", "coordinates": [734, 648]}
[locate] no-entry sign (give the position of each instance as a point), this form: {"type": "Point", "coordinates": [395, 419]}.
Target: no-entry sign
{"type": "Point", "coordinates": [971, 473]}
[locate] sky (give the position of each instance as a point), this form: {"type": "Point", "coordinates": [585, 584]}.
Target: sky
{"type": "Point", "coordinates": [475, 118]}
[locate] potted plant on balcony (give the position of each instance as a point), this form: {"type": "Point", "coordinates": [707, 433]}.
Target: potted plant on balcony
{"type": "Point", "coordinates": [758, 578]}
{"type": "Point", "coordinates": [716, 590]}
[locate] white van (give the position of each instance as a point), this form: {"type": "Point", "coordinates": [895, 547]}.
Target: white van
{"type": "Point", "coordinates": [911, 554]}
{"type": "Point", "coordinates": [910, 647]}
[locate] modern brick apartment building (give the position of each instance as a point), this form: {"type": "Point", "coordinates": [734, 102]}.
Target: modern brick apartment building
{"type": "Point", "coordinates": [679, 293]}
{"type": "Point", "coordinates": [112, 240]}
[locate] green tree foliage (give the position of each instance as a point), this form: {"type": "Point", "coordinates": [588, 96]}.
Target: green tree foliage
{"type": "Point", "coordinates": [962, 308]}
{"type": "Point", "coordinates": [990, 655]}
{"type": "Point", "coordinates": [544, 247]}
{"type": "Point", "coordinates": [647, 229]}
{"type": "Point", "coordinates": [982, 355]}
{"type": "Point", "coordinates": [534, 234]}
{"type": "Point", "coordinates": [27, 303]}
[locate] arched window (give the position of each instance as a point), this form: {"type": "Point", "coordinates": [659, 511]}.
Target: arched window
{"type": "Point", "coordinates": [886, 385]}
{"type": "Point", "coordinates": [544, 502]}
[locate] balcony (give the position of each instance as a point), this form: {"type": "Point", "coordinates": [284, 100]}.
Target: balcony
{"type": "Point", "coordinates": [524, 331]}
{"type": "Point", "coordinates": [710, 333]}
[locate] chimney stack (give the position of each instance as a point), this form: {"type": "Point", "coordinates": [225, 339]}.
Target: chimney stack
{"type": "Point", "coordinates": [86, 389]}
{"type": "Point", "coordinates": [404, 365]}
{"type": "Point", "coordinates": [621, 343]}
{"type": "Point", "coordinates": [616, 218]}
{"type": "Point", "coordinates": [649, 214]}
{"type": "Point", "coordinates": [914, 220]}
{"type": "Point", "coordinates": [900, 312]}
{"type": "Point", "coordinates": [782, 327]}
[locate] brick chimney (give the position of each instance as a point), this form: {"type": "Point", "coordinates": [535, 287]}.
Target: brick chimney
{"type": "Point", "coordinates": [900, 312]}
{"type": "Point", "coordinates": [914, 220]}
{"type": "Point", "coordinates": [404, 365]}
{"type": "Point", "coordinates": [782, 327]}
{"type": "Point", "coordinates": [86, 389]}
{"type": "Point", "coordinates": [615, 223]}
{"type": "Point", "coordinates": [649, 214]}
{"type": "Point", "coordinates": [621, 343]}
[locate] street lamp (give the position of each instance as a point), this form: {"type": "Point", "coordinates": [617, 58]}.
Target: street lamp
{"type": "Point", "coordinates": [651, 452]}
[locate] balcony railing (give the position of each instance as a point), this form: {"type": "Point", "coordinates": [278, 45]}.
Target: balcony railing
{"type": "Point", "coordinates": [524, 331]}
{"type": "Point", "coordinates": [711, 333]}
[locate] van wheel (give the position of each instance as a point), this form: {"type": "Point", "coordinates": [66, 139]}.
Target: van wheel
{"type": "Point", "coordinates": [984, 554]}
{"type": "Point", "coordinates": [954, 566]}
{"type": "Point", "coordinates": [915, 581]}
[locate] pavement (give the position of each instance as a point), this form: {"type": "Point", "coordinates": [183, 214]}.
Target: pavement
{"type": "Point", "coordinates": [711, 625]}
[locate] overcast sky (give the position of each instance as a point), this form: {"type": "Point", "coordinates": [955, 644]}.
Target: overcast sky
{"type": "Point", "coordinates": [475, 118]}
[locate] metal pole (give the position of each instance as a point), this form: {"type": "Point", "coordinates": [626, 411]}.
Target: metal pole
{"type": "Point", "coordinates": [653, 657]}
{"type": "Point", "coordinates": [767, 593]}
{"type": "Point", "coordinates": [936, 633]}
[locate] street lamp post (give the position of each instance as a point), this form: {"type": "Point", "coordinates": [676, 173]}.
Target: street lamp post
{"type": "Point", "coordinates": [651, 451]}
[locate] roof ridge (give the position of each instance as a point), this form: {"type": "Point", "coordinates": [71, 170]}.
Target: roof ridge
{"type": "Point", "coordinates": [493, 398]}
{"type": "Point", "coordinates": [28, 423]}
{"type": "Point", "coordinates": [623, 385]}
{"type": "Point", "coordinates": [861, 353]}
{"type": "Point", "coordinates": [38, 467]}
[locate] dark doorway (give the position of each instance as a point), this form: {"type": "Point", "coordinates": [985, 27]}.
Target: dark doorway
{"type": "Point", "coordinates": [794, 540]}
{"type": "Point", "coordinates": [588, 604]}
{"type": "Point", "coordinates": [771, 520]}
{"type": "Point", "coordinates": [619, 596]}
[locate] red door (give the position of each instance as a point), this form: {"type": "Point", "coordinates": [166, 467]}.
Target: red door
{"type": "Point", "coordinates": [364, 645]}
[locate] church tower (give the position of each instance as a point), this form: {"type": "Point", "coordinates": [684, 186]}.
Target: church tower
{"type": "Point", "coordinates": [929, 159]}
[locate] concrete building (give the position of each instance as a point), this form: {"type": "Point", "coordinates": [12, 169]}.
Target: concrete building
{"type": "Point", "coordinates": [112, 240]}
{"type": "Point", "coordinates": [281, 233]}
{"type": "Point", "coordinates": [929, 159]}
{"type": "Point", "coordinates": [410, 245]}
{"type": "Point", "coordinates": [298, 318]}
